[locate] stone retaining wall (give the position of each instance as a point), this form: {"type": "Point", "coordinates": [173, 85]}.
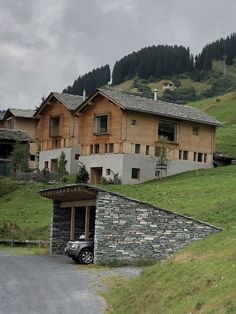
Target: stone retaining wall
{"type": "Point", "coordinates": [60, 228]}
{"type": "Point", "coordinates": [129, 230]}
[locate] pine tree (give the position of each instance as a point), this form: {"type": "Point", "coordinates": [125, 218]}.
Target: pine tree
{"type": "Point", "coordinates": [61, 166]}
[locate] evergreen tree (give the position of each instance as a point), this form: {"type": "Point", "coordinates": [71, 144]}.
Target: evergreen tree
{"type": "Point", "coordinates": [90, 81]}
{"type": "Point", "coordinates": [20, 157]}
{"type": "Point", "coordinates": [61, 166]}
{"type": "Point", "coordinates": [82, 176]}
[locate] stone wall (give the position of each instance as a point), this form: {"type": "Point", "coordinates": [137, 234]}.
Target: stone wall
{"type": "Point", "coordinates": [60, 228]}
{"type": "Point", "coordinates": [128, 230]}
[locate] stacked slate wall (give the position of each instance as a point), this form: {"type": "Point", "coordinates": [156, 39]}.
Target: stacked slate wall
{"type": "Point", "coordinates": [60, 228]}
{"type": "Point", "coordinates": [128, 230]}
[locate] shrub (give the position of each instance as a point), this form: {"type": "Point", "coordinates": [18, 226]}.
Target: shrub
{"type": "Point", "coordinates": [82, 176]}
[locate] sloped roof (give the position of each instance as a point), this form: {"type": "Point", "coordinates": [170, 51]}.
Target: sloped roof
{"type": "Point", "coordinates": [24, 113]}
{"type": "Point", "coordinates": [71, 102]}
{"type": "Point", "coordinates": [81, 191]}
{"type": "Point", "coordinates": [157, 107]}
{"type": "Point", "coordinates": [14, 135]}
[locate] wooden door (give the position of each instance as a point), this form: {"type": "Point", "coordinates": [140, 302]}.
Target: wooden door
{"type": "Point", "coordinates": [96, 175]}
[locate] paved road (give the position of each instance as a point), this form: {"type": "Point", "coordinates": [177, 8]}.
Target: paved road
{"type": "Point", "coordinates": [47, 285]}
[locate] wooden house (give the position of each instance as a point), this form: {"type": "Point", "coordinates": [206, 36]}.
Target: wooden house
{"type": "Point", "coordinates": [24, 120]}
{"type": "Point", "coordinates": [58, 131]}
{"type": "Point", "coordinates": [8, 138]}
{"type": "Point", "coordinates": [137, 139]}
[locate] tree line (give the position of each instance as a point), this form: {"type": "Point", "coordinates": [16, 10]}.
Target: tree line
{"type": "Point", "coordinates": [90, 81]}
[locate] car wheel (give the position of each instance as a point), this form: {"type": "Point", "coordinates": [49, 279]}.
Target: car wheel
{"type": "Point", "coordinates": [86, 256]}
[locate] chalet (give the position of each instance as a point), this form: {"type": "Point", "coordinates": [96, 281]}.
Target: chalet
{"type": "Point", "coordinates": [124, 229]}
{"type": "Point", "coordinates": [167, 86]}
{"type": "Point", "coordinates": [58, 131]}
{"type": "Point", "coordinates": [24, 120]}
{"type": "Point", "coordinates": [8, 138]}
{"type": "Point", "coordinates": [126, 136]}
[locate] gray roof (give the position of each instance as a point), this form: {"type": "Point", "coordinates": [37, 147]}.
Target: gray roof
{"type": "Point", "coordinates": [72, 102]}
{"type": "Point", "coordinates": [14, 135]}
{"type": "Point", "coordinates": [24, 113]}
{"type": "Point", "coordinates": [158, 107]}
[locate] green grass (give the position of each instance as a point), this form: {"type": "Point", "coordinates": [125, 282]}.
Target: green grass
{"type": "Point", "coordinates": [24, 250]}
{"type": "Point", "coordinates": [25, 214]}
{"type": "Point", "coordinates": [202, 277]}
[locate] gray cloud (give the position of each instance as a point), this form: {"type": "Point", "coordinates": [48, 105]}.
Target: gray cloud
{"type": "Point", "coordinates": [46, 44]}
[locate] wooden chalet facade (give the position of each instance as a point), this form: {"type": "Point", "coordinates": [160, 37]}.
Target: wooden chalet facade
{"type": "Point", "coordinates": [121, 135]}
{"type": "Point", "coordinates": [24, 120]}
{"type": "Point", "coordinates": [58, 131]}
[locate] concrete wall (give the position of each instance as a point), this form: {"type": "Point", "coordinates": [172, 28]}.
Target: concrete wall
{"type": "Point", "coordinates": [71, 165]}
{"type": "Point", "coordinates": [123, 164]}
{"type": "Point", "coordinates": [128, 230]}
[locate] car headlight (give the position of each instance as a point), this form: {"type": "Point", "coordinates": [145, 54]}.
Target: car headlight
{"type": "Point", "coordinates": [74, 246]}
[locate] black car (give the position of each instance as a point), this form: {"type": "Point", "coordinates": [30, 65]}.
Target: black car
{"type": "Point", "coordinates": [80, 250]}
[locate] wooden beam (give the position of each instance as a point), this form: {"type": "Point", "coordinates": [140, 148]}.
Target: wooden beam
{"type": "Point", "coordinates": [87, 221]}
{"type": "Point", "coordinates": [91, 202]}
{"type": "Point", "coordinates": [72, 224]}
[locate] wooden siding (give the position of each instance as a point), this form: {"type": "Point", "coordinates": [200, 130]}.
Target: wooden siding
{"type": "Point", "coordinates": [87, 136]}
{"type": "Point", "coordinates": [68, 127]}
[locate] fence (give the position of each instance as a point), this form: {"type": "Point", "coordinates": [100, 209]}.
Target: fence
{"type": "Point", "coordinates": [12, 243]}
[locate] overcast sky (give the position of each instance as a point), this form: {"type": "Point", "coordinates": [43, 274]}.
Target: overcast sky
{"type": "Point", "coordinates": [46, 44]}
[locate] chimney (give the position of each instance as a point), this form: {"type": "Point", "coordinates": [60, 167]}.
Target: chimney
{"type": "Point", "coordinates": [155, 94]}
{"type": "Point", "coordinates": [84, 94]}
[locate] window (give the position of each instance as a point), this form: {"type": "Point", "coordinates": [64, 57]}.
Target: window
{"type": "Point", "coordinates": [199, 158]}
{"type": "Point", "coordinates": [135, 173]}
{"type": "Point", "coordinates": [96, 148]}
{"type": "Point", "coordinates": [56, 144]}
{"type": "Point", "coordinates": [180, 154]}
{"type": "Point", "coordinates": [147, 149]}
{"type": "Point", "coordinates": [54, 126]}
{"type": "Point", "coordinates": [205, 157]}
{"type": "Point", "coordinates": [45, 164]}
{"type": "Point", "coordinates": [195, 156]}
{"type": "Point", "coordinates": [137, 148]}
{"type": "Point", "coordinates": [133, 122]}
{"type": "Point", "coordinates": [32, 157]}
{"type": "Point", "coordinates": [185, 155]}
{"type": "Point", "coordinates": [194, 130]}
{"type": "Point", "coordinates": [109, 148]}
{"type": "Point", "coordinates": [108, 172]}
{"type": "Point", "coordinates": [91, 149]}
{"type": "Point", "coordinates": [167, 130]}
{"type": "Point", "coordinates": [77, 156]}
{"type": "Point", "coordinates": [101, 124]}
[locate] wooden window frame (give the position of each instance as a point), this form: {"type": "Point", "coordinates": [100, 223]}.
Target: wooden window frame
{"type": "Point", "coordinates": [97, 130]}
{"type": "Point", "coordinates": [175, 124]}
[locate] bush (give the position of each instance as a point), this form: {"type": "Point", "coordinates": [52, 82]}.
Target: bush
{"type": "Point", "coordinates": [82, 176]}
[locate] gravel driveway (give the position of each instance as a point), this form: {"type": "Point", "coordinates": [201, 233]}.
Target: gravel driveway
{"type": "Point", "coordinates": [51, 284]}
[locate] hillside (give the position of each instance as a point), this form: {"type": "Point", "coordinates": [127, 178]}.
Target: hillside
{"type": "Point", "coordinates": [202, 277]}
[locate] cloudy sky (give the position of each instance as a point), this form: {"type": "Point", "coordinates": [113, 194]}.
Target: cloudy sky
{"type": "Point", "coordinates": [46, 44]}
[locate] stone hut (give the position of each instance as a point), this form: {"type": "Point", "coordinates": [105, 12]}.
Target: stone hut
{"type": "Point", "coordinates": [124, 229]}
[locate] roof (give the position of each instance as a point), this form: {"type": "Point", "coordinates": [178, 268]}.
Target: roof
{"type": "Point", "coordinates": [81, 191]}
{"type": "Point", "coordinates": [14, 135]}
{"type": "Point", "coordinates": [24, 113]}
{"type": "Point", "coordinates": [157, 107]}
{"type": "Point", "coordinates": [71, 102]}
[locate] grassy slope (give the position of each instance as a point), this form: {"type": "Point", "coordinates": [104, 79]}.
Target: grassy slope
{"type": "Point", "coordinates": [24, 214]}
{"type": "Point", "coordinates": [202, 277]}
